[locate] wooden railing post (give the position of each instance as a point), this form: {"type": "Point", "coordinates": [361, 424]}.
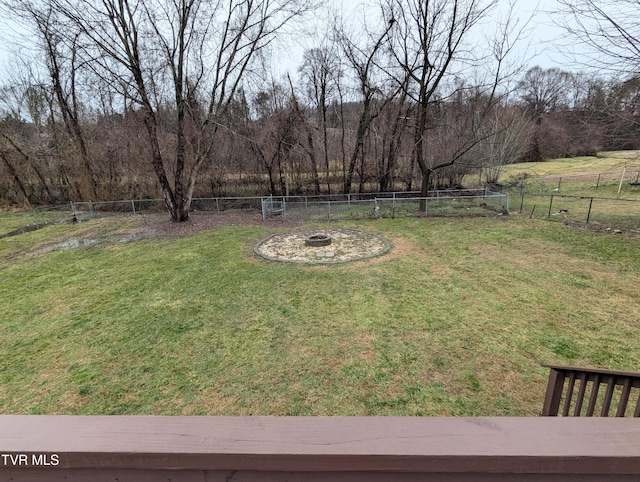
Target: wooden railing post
{"type": "Point", "coordinates": [554, 393]}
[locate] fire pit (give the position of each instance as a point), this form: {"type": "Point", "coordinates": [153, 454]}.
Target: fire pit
{"type": "Point", "coordinates": [318, 240]}
{"type": "Point", "coordinates": [312, 246]}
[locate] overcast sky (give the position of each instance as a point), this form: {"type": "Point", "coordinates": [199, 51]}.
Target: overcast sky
{"type": "Point", "coordinates": [538, 48]}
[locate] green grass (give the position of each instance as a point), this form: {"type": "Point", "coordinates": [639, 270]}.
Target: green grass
{"type": "Point", "coordinates": [578, 179]}
{"type": "Point", "coordinates": [579, 176]}
{"type": "Point", "coordinates": [605, 213]}
{"type": "Point", "coordinates": [455, 320]}
{"type": "Point", "coordinates": [12, 220]}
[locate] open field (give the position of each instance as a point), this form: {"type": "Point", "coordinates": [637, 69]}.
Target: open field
{"type": "Point", "coordinates": [455, 320]}
{"type": "Point", "coordinates": [603, 162]}
{"type": "Point", "coordinates": [580, 176]}
{"type": "Point", "coordinates": [584, 188]}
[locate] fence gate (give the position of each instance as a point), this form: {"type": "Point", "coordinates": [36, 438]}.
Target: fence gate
{"type": "Point", "coordinates": [271, 207]}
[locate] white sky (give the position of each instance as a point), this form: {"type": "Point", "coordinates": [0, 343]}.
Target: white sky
{"type": "Point", "coordinates": [538, 49]}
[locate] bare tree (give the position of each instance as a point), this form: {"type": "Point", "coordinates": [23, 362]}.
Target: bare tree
{"type": "Point", "coordinates": [507, 135]}
{"type": "Point", "coordinates": [60, 55]}
{"type": "Point", "coordinates": [543, 91]}
{"type": "Point", "coordinates": [394, 128]}
{"type": "Point", "coordinates": [191, 55]}
{"type": "Point", "coordinates": [609, 30]}
{"type": "Point", "coordinates": [321, 72]}
{"type": "Point", "coordinates": [364, 62]}
{"type": "Point", "coordinates": [14, 177]}
{"type": "Point", "coordinates": [431, 44]}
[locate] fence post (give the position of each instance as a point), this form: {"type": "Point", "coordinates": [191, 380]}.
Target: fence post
{"type": "Point", "coordinates": [598, 181]}
{"type": "Point", "coordinates": [559, 183]}
{"type": "Point", "coordinates": [329, 210]}
{"type": "Point", "coordinates": [622, 179]}
{"type": "Point", "coordinates": [133, 206]}
{"type": "Point", "coordinates": [589, 213]}
{"type": "Point", "coordinates": [217, 206]}
{"type": "Point", "coordinates": [91, 208]}
{"type": "Point", "coordinates": [35, 216]}
{"type": "Point", "coordinates": [550, 204]}
{"type": "Point", "coordinates": [521, 196]}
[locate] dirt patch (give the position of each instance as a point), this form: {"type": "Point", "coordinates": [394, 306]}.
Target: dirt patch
{"type": "Point", "coordinates": [601, 228]}
{"type": "Point", "coordinates": [404, 247]}
{"type": "Point", "coordinates": [202, 221]}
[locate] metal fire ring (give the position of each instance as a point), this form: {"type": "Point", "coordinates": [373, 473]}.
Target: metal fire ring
{"type": "Point", "coordinates": [317, 240]}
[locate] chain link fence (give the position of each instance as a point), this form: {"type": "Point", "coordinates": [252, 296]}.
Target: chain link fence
{"type": "Point", "coordinates": [623, 183]}
{"type": "Point", "coordinates": [137, 206]}
{"type": "Point", "coordinates": [471, 202]}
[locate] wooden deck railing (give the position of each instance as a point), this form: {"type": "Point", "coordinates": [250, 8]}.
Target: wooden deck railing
{"type": "Point", "coordinates": [376, 449]}
{"type": "Point", "coordinates": [585, 391]}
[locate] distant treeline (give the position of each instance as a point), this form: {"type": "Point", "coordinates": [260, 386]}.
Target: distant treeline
{"type": "Point", "coordinates": [279, 142]}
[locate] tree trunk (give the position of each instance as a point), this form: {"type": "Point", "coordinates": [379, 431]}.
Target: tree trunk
{"type": "Point", "coordinates": [424, 190]}
{"type": "Point", "coordinates": [175, 210]}
{"type": "Point", "coordinates": [363, 125]}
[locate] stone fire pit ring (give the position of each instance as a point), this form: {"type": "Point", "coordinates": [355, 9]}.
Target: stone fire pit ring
{"type": "Point", "coordinates": [318, 240]}
{"type": "Point", "coordinates": [328, 246]}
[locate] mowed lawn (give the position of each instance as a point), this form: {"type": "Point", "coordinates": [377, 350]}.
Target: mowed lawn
{"type": "Point", "coordinates": [456, 320]}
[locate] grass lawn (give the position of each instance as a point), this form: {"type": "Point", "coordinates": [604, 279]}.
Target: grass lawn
{"type": "Point", "coordinates": [12, 220]}
{"type": "Point", "coordinates": [612, 161]}
{"type": "Point", "coordinates": [616, 205]}
{"type": "Point", "coordinates": [578, 176]}
{"type": "Point", "coordinates": [455, 320]}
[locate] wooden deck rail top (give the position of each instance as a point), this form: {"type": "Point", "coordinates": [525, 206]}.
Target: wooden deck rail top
{"type": "Point", "coordinates": [145, 448]}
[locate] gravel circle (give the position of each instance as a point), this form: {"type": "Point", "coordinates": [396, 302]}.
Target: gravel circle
{"type": "Point", "coordinates": [346, 245]}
